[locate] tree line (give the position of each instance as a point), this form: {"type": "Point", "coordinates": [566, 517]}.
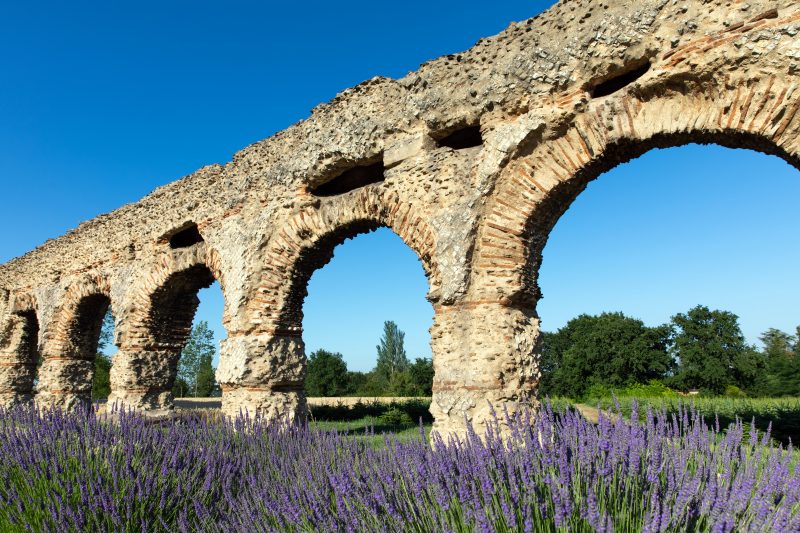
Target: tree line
{"type": "Point", "coordinates": [393, 375]}
{"type": "Point", "coordinates": [701, 349]}
{"type": "Point", "coordinates": [590, 356]}
{"type": "Point", "coordinates": [327, 373]}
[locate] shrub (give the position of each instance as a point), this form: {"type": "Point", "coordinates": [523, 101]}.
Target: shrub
{"type": "Point", "coordinates": [732, 391]}
{"type": "Point", "coordinates": [396, 418]}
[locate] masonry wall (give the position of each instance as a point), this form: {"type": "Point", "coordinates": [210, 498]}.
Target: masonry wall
{"type": "Point", "coordinates": [557, 99]}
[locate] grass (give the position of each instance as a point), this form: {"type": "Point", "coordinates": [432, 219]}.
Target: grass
{"type": "Point", "coordinates": [371, 430]}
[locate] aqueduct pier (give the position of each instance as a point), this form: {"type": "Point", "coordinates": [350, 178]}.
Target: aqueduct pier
{"type": "Point", "coordinates": [470, 160]}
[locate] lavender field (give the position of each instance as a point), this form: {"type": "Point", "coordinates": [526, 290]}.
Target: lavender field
{"type": "Point", "coordinates": [669, 472]}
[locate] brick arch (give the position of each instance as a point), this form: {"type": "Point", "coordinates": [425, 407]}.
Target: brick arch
{"type": "Point", "coordinates": [306, 242]}
{"type": "Point", "coordinates": [77, 320]}
{"type": "Point", "coordinates": [70, 344]}
{"type": "Point", "coordinates": [158, 318]}
{"type": "Point", "coordinates": [171, 273]}
{"type": "Point", "coordinates": [544, 178]}
{"type": "Point", "coordinates": [19, 351]}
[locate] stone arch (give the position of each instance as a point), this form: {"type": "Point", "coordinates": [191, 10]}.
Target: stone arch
{"type": "Point", "coordinates": [497, 325]}
{"type": "Point", "coordinates": [19, 351]}
{"type": "Point", "coordinates": [544, 178]}
{"type": "Point", "coordinates": [264, 371]}
{"type": "Point", "coordinates": [306, 242]}
{"type": "Point", "coordinates": [158, 320]}
{"type": "Point", "coordinates": [71, 347]}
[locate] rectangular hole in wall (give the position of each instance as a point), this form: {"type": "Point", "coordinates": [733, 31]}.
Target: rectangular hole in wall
{"type": "Point", "coordinates": [351, 179]}
{"type": "Point", "coordinates": [186, 237]}
{"type": "Point", "coordinates": [616, 83]}
{"type": "Point", "coordinates": [461, 139]}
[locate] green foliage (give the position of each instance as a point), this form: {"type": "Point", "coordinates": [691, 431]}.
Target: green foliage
{"type": "Point", "coordinates": [732, 391]}
{"type": "Point", "coordinates": [326, 374]}
{"type": "Point", "coordinates": [206, 380]}
{"type": "Point", "coordinates": [609, 350]}
{"type": "Point", "coordinates": [106, 332]}
{"type": "Point", "coordinates": [782, 366]}
{"type": "Point", "coordinates": [194, 363]}
{"type": "Point", "coordinates": [101, 380]}
{"type": "Point", "coordinates": [651, 389]}
{"type": "Point", "coordinates": [357, 381]}
{"type": "Point", "coordinates": [396, 418]}
{"type": "Point", "coordinates": [392, 357]}
{"type": "Point", "coordinates": [415, 409]}
{"type": "Point", "coordinates": [712, 351]}
{"type": "Point", "coordinates": [421, 374]}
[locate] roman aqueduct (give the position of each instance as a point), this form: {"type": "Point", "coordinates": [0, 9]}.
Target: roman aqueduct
{"type": "Point", "coordinates": [470, 160]}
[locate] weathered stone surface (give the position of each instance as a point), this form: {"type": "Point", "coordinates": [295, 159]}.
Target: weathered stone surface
{"type": "Point", "coordinates": [558, 99]}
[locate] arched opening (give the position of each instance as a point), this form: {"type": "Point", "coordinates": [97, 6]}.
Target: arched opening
{"type": "Point", "coordinates": [106, 348]}
{"type": "Point", "coordinates": [359, 291]}
{"type": "Point", "coordinates": [371, 279]}
{"type": "Point", "coordinates": [184, 335]}
{"type": "Point", "coordinates": [658, 236]}
{"type": "Point", "coordinates": [88, 332]}
{"type": "Point", "coordinates": [26, 359]}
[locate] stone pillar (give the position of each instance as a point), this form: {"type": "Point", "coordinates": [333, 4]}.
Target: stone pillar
{"type": "Point", "coordinates": [18, 357]}
{"type": "Point", "coordinates": [263, 375]}
{"type": "Point", "coordinates": [483, 358]}
{"type": "Point", "coordinates": [65, 382]}
{"type": "Point", "coordinates": [143, 379]}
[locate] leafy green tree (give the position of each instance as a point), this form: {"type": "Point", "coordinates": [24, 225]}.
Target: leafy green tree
{"type": "Point", "coordinates": [101, 381]}
{"type": "Point", "coordinates": [180, 389]}
{"type": "Point", "coordinates": [551, 349]}
{"type": "Point", "coordinates": [778, 345]}
{"type": "Point", "coordinates": [326, 374]}
{"type": "Point", "coordinates": [797, 342]}
{"type": "Point", "coordinates": [356, 382]}
{"type": "Point", "coordinates": [200, 345]}
{"type": "Point", "coordinates": [608, 350]}
{"type": "Point", "coordinates": [375, 385]}
{"type": "Point", "coordinates": [712, 351]}
{"type": "Point", "coordinates": [392, 358]}
{"type": "Point", "coordinates": [206, 379]}
{"type": "Point", "coordinates": [402, 385]}
{"type": "Point", "coordinates": [421, 374]}
{"type": "Point", "coordinates": [782, 368]}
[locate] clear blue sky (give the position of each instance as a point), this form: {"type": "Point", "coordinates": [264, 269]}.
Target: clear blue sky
{"type": "Point", "coordinates": [100, 103]}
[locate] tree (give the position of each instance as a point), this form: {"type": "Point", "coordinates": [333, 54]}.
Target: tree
{"type": "Point", "coordinates": [421, 374]}
{"type": "Point", "coordinates": [552, 347]}
{"type": "Point", "coordinates": [101, 381]}
{"type": "Point", "coordinates": [206, 378]}
{"type": "Point", "coordinates": [712, 351]}
{"type": "Point", "coordinates": [356, 382]}
{"type": "Point", "coordinates": [326, 374]}
{"type": "Point", "coordinates": [392, 357]}
{"type": "Point", "coordinates": [797, 342]}
{"type": "Point", "coordinates": [106, 332]}
{"type": "Point", "coordinates": [782, 368]}
{"type": "Point", "coordinates": [778, 344]}
{"type": "Point", "coordinates": [610, 349]}
{"type": "Point", "coordinates": [199, 347]}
